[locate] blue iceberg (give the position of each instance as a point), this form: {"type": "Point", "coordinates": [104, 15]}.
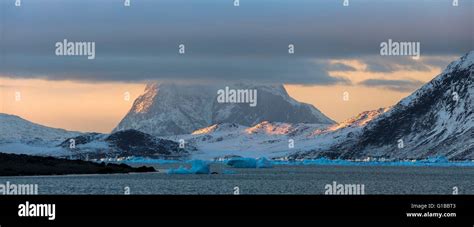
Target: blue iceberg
{"type": "Point", "coordinates": [436, 159]}
{"type": "Point", "coordinates": [264, 163]}
{"type": "Point", "coordinates": [249, 163]}
{"type": "Point", "coordinates": [142, 160]}
{"type": "Point", "coordinates": [242, 162]}
{"type": "Point", "coordinates": [197, 167]}
{"type": "Point", "coordinates": [431, 161]}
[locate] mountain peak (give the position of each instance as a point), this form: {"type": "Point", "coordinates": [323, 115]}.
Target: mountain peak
{"type": "Point", "coordinates": [465, 62]}
{"type": "Point", "coordinates": [171, 109]}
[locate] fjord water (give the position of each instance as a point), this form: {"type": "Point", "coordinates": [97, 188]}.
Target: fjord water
{"type": "Point", "coordinates": [284, 179]}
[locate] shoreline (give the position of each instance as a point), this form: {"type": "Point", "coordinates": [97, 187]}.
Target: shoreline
{"type": "Point", "coordinates": [26, 165]}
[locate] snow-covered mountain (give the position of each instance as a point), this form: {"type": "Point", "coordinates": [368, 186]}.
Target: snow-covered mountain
{"type": "Point", "coordinates": [272, 139]}
{"type": "Point", "coordinates": [172, 109]}
{"type": "Point", "coordinates": [123, 144]}
{"type": "Point", "coordinates": [20, 136]}
{"type": "Point", "coordinates": [16, 129]}
{"type": "Point", "coordinates": [436, 120]}
{"type": "Point", "coordinates": [266, 139]}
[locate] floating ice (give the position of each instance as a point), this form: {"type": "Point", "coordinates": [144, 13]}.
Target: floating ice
{"type": "Point", "coordinates": [432, 161]}
{"type": "Point", "coordinates": [197, 167]}
{"type": "Point", "coordinates": [437, 159]}
{"type": "Point", "coordinates": [249, 163]}
{"type": "Point", "coordinates": [264, 163]}
{"type": "Point", "coordinates": [242, 162]}
{"type": "Point", "coordinates": [134, 159]}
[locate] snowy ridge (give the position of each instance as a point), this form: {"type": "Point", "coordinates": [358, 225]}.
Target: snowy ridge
{"type": "Point", "coordinates": [268, 128]}
{"type": "Point", "coordinates": [16, 129]}
{"type": "Point", "coordinates": [266, 139]}
{"type": "Point", "coordinates": [360, 120]}
{"type": "Point", "coordinates": [18, 135]}
{"type": "Point", "coordinates": [223, 127]}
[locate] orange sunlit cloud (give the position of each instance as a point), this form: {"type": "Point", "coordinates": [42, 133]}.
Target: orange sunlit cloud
{"type": "Point", "coordinates": [69, 105]}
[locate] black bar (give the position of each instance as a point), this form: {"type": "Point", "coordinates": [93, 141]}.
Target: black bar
{"type": "Point", "coordinates": [388, 207]}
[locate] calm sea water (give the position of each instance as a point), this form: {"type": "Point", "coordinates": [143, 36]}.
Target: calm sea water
{"type": "Point", "coordinates": [279, 180]}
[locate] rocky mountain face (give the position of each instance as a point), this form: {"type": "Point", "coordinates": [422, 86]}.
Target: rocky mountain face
{"type": "Point", "coordinates": [171, 109]}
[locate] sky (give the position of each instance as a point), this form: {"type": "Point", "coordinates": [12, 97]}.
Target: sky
{"type": "Point", "coordinates": [337, 52]}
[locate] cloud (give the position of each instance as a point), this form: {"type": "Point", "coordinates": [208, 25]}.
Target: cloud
{"type": "Point", "coordinates": [395, 64]}
{"type": "Point", "coordinates": [287, 70]}
{"type": "Point", "coordinates": [395, 85]}
{"type": "Point", "coordinates": [223, 42]}
{"type": "Point", "coordinates": [340, 67]}
{"type": "Point", "coordinates": [389, 64]}
{"type": "Point", "coordinates": [439, 61]}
